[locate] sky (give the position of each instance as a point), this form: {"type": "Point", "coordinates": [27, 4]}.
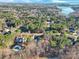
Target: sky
{"type": "Point", "coordinates": [41, 1]}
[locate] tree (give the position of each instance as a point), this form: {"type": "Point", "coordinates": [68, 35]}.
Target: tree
{"type": "Point", "coordinates": [18, 22]}
{"type": "Point", "coordinates": [64, 41]}
{"type": "Point", "coordinates": [53, 43]}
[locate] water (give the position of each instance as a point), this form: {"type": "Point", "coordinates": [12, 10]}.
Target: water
{"type": "Point", "coordinates": [66, 10]}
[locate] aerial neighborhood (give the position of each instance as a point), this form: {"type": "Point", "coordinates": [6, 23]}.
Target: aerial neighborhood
{"type": "Point", "coordinates": [38, 31]}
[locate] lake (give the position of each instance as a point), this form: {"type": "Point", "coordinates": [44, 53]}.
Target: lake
{"type": "Point", "coordinates": [66, 10]}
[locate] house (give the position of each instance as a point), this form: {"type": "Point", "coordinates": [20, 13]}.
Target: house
{"type": "Point", "coordinates": [76, 19]}
{"type": "Point", "coordinates": [71, 29]}
{"type": "Point", "coordinates": [37, 38]}
{"type": "Point", "coordinates": [10, 23]}
{"type": "Point", "coordinates": [73, 41]}
{"type": "Point", "coordinates": [76, 14]}
{"type": "Point", "coordinates": [17, 48]}
{"type": "Point", "coordinates": [24, 29]}
{"type": "Point", "coordinates": [77, 32]}
{"type": "Point", "coordinates": [6, 31]}
{"type": "Point", "coordinates": [19, 40]}
{"type": "Point", "coordinates": [1, 31]}
{"type": "Point", "coordinates": [49, 22]}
